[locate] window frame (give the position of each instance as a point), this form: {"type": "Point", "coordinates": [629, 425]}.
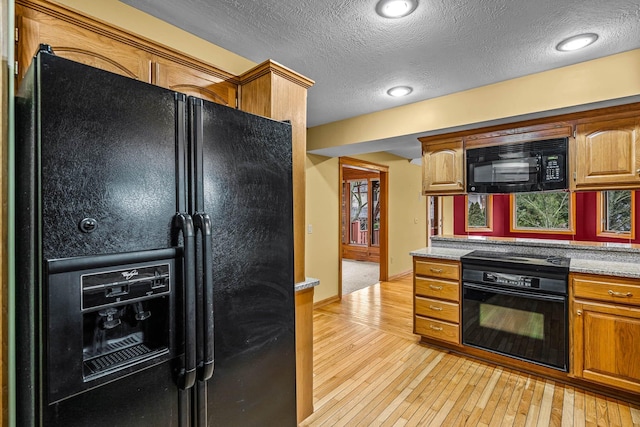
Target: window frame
{"type": "Point", "coordinates": [572, 219]}
{"type": "Point", "coordinates": [489, 214]}
{"type": "Point", "coordinates": [601, 217]}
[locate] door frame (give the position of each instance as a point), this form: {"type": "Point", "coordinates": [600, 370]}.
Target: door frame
{"type": "Point", "coordinates": [384, 213]}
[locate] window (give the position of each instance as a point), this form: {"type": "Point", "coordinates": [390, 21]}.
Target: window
{"type": "Point", "coordinates": [616, 210]}
{"type": "Point", "coordinates": [543, 212]}
{"type": "Point", "coordinates": [359, 212]}
{"type": "Point", "coordinates": [375, 214]}
{"type": "Point", "coordinates": [478, 213]}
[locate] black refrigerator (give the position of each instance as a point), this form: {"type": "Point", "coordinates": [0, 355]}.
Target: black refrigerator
{"type": "Point", "coordinates": [154, 256]}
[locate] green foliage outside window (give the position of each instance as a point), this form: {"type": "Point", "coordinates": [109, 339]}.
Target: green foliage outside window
{"type": "Point", "coordinates": [618, 211]}
{"type": "Point", "coordinates": [542, 211]}
{"type": "Point", "coordinates": [477, 215]}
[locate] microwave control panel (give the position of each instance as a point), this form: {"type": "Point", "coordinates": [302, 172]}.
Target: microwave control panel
{"type": "Point", "coordinates": [553, 168]}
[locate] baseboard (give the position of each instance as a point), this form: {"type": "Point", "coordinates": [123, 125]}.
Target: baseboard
{"type": "Point", "coordinates": [399, 276]}
{"type": "Point", "coordinates": [324, 302]}
{"type": "Point", "coordinates": [335, 298]}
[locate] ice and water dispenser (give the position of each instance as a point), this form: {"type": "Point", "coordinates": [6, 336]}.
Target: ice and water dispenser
{"type": "Point", "coordinates": [107, 317]}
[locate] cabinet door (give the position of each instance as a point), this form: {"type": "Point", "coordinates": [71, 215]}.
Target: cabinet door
{"type": "Point", "coordinates": [608, 154]}
{"type": "Point", "coordinates": [74, 42]}
{"type": "Point", "coordinates": [190, 81]}
{"type": "Point", "coordinates": [605, 340]}
{"type": "Point", "coordinates": [443, 167]}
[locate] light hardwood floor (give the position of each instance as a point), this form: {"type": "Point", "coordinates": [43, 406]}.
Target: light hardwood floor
{"type": "Point", "coordinates": [370, 370]}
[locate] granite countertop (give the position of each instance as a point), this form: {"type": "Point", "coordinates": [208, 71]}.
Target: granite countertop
{"type": "Point", "coordinates": [609, 268]}
{"type": "Point", "coordinates": [515, 243]}
{"type": "Point", "coordinates": [309, 282]}
{"type": "Point", "coordinates": [441, 253]}
{"type": "Point", "coordinates": [626, 268]}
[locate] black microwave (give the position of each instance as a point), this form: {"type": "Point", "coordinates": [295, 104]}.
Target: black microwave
{"type": "Point", "coordinates": [521, 167]}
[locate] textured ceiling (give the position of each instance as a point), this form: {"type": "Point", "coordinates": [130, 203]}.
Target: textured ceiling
{"type": "Point", "coordinates": [445, 46]}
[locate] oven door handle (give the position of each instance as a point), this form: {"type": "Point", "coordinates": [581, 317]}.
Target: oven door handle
{"type": "Point", "coordinates": [524, 293]}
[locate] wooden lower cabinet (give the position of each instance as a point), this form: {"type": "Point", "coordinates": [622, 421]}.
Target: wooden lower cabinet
{"type": "Point", "coordinates": [605, 327]}
{"type": "Point", "coordinates": [607, 344]}
{"type": "Point", "coordinates": [436, 304]}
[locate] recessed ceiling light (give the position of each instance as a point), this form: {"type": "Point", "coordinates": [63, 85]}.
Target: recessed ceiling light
{"type": "Point", "coordinates": [396, 8]}
{"type": "Point", "coordinates": [577, 42]}
{"type": "Point", "coordinates": [400, 91]}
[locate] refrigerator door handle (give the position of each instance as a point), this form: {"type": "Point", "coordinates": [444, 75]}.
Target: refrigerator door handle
{"type": "Point", "coordinates": [202, 221]}
{"type": "Point", "coordinates": [187, 373]}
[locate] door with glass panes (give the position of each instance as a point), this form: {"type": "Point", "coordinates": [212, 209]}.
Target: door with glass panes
{"type": "Point", "coordinates": [361, 215]}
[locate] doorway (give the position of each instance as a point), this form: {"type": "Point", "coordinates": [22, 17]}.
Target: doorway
{"type": "Point", "coordinates": [434, 216]}
{"type": "Point", "coordinates": [363, 220]}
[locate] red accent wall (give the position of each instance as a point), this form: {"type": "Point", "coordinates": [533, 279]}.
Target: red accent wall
{"type": "Point", "coordinates": [586, 220]}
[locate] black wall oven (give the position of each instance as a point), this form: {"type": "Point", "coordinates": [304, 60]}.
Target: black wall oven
{"type": "Point", "coordinates": [516, 306]}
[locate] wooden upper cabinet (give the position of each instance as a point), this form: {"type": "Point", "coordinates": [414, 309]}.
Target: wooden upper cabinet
{"type": "Point", "coordinates": [91, 42]}
{"type": "Point", "coordinates": [74, 42]}
{"type": "Point", "coordinates": [607, 154]}
{"type": "Point", "coordinates": [191, 81]}
{"type": "Point", "coordinates": [443, 167]}
{"type": "Point", "coordinates": [518, 134]}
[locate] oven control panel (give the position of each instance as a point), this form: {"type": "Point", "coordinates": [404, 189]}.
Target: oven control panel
{"type": "Point", "coordinates": [511, 280]}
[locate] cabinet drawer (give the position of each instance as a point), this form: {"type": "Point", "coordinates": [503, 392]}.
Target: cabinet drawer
{"type": "Point", "coordinates": [438, 309]}
{"type": "Point", "coordinates": [437, 269]}
{"type": "Point", "coordinates": [437, 329]}
{"type": "Point", "coordinates": [440, 289]}
{"type": "Point", "coordinates": [607, 289]}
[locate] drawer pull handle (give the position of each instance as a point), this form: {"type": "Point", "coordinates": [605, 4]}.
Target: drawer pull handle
{"type": "Point", "coordinates": [436, 270]}
{"type": "Point", "coordinates": [435, 328]}
{"type": "Point", "coordinates": [620, 294]}
{"type": "Point", "coordinates": [435, 288]}
{"type": "Point", "coordinates": [436, 308]}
